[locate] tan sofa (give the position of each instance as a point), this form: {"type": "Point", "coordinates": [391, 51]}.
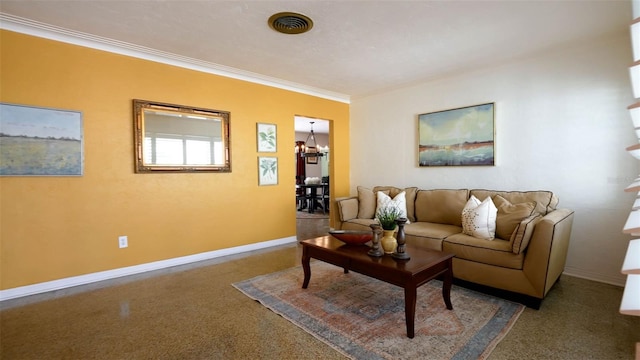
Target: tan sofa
{"type": "Point", "coordinates": [522, 262]}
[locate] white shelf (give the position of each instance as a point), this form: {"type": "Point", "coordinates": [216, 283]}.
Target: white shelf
{"type": "Point", "coordinates": [634, 186]}
{"type": "Point", "coordinates": [634, 72]}
{"type": "Point", "coordinates": [631, 298]}
{"type": "Point", "coordinates": [636, 203]}
{"type": "Point", "coordinates": [634, 150]}
{"type": "Point", "coordinates": [632, 226]}
{"type": "Point", "coordinates": [631, 263]}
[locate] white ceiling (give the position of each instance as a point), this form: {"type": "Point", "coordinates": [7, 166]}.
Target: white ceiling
{"type": "Point", "coordinates": [356, 48]}
{"type": "Point", "coordinates": [303, 124]}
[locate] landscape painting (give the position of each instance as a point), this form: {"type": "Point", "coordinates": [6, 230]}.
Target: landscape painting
{"type": "Point", "coordinates": [457, 137]}
{"type": "Point", "coordinates": [40, 142]}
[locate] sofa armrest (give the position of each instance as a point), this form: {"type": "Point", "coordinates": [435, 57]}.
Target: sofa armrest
{"type": "Point", "coordinates": [547, 251]}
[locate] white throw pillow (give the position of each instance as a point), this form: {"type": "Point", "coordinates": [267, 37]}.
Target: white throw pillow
{"type": "Point", "coordinates": [479, 218]}
{"type": "Point", "coordinates": [400, 202]}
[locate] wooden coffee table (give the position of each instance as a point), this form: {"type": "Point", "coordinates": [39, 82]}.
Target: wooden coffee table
{"type": "Point", "coordinates": [423, 266]}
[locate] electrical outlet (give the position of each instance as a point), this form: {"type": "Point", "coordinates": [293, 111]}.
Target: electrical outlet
{"type": "Point", "coordinates": [123, 242]}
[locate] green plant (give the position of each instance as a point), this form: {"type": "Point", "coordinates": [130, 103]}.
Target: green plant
{"type": "Point", "coordinates": [387, 216]}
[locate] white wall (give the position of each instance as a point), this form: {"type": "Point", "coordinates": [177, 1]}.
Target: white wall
{"type": "Point", "coordinates": [561, 125]}
{"type": "Point", "coordinates": [321, 168]}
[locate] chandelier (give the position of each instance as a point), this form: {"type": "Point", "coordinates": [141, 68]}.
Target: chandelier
{"type": "Point", "coordinates": [310, 147]}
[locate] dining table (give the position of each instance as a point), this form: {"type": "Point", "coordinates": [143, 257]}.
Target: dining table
{"type": "Point", "coordinates": [312, 196]}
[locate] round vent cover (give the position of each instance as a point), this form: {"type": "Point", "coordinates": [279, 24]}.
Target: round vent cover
{"type": "Point", "coordinates": [290, 23]}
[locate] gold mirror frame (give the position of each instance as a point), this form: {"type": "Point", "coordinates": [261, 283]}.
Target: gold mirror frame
{"type": "Point", "coordinates": [177, 138]}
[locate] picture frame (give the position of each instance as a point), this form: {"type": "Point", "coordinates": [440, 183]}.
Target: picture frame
{"type": "Point", "coordinates": [180, 138]}
{"type": "Point", "coordinates": [266, 137]}
{"type": "Point", "coordinates": [38, 141]}
{"type": "Point", "coordinates": [457, 137]}
{"type": "Point", "coordinates": [267, 170]}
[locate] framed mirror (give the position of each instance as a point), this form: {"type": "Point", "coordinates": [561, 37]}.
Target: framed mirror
{"type": "Point", "coordinates": [177, 138]}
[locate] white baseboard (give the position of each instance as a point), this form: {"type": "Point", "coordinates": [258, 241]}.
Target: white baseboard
{"type": "Point", "coordinates": [611, 280]}
{"type": "Point", "coordinates": [136, 269]}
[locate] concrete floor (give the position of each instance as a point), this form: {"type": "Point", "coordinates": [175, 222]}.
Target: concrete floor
{"type": "Point", "coordinates": [193, 312]}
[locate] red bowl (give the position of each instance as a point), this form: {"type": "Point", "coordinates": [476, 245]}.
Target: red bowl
{"type": "Point", "coordinates": [352, 237]}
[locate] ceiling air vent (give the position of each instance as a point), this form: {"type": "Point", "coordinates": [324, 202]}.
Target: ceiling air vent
{"type": "Point", "coordinates": [290, 23]}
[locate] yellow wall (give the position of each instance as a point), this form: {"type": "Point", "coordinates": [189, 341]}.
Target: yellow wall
{"type": "Point", "coordinates": [57, 227]}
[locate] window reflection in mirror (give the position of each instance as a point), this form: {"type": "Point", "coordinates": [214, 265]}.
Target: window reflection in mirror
{"type": "Point", "coordinates": [180, 138]}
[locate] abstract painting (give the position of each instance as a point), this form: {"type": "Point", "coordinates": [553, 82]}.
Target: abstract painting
{"type": "Point", "coordinates": [458, 137]}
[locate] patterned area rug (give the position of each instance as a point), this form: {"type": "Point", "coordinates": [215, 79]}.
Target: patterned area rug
{"type": "Point", "coordinates": [363, 318]}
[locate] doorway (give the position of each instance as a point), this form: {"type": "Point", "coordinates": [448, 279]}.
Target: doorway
{"type": "Point", "coordinates": [313, 162]}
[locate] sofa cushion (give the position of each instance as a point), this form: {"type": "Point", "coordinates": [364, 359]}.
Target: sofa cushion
{"type": "Point", "coordinates": [366, 203]}
{"type": "Point", "coordinates": [510, 215]}
{"type": "Point", "coordinates": [497, 252]}
{"type": "Point", "coordinates": [479, 218]}
{"type": "Point", "coordinates": [441, 206]}
{"type": "Point", "coordinates": [347, 208]}
{"type": "Point", "coordinates": [410, 196]}
{"type": "Point", "coordinates": [521, 236]}
{"type": "Point", "coordinates": [431, 230]}
{"type": "Point", "coordinates": [546, 201]}
{"type": "Point", "coordinates": [399, 202]}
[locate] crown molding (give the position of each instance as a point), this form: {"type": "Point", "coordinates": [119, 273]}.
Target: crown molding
{"type": "Point", "coordinates": [38, 29]}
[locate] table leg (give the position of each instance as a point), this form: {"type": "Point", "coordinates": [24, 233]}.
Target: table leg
{"type": "Point", "coordinates": [313, 192]}
{"type": "Point", "coordinates": [446, 285]}
{"type": "Point", "coordinates": [410, 293]}
{"type": "Point", "coordinates": [306, 267]}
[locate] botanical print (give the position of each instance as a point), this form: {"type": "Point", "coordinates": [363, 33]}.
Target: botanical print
{"type": "Point", "coordinates": [266, 137]}
{"type": "Point", "coordinates": [39, 141]}
{"type": "Point", "coordinates": [457, 137]}
{"type": "Point", "coordinates": [267, 170]}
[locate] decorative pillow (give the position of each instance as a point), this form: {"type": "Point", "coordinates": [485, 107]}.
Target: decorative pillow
{"type": "Point", "coordinates": [479, 218]}
{"type": "Point", "coordinates": [400, 202]}
{"type": "Point", "coordinates": [510, 215]}
{"type": "Point", "coordinates": [546, 201]}
{"type": "Point", "coordinates": [366, 203]}
{"type": "Point", "coordinates": [410, 195]}
{"type": "Point", "coordinates": [522, 234]}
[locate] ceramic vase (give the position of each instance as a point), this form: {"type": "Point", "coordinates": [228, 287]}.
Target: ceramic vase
{"type": "Point", "coordinates": [388, 242]}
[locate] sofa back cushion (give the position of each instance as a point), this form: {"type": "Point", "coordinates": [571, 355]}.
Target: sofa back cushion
{"type": "Point", "coordinates": [545, 201]}
{"type": "Point", "coordinates": [442, 206]}
{"type": "Point", "coordinates": [367, 203]}
{"type": "Point", "coordinates": [410, 197]}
